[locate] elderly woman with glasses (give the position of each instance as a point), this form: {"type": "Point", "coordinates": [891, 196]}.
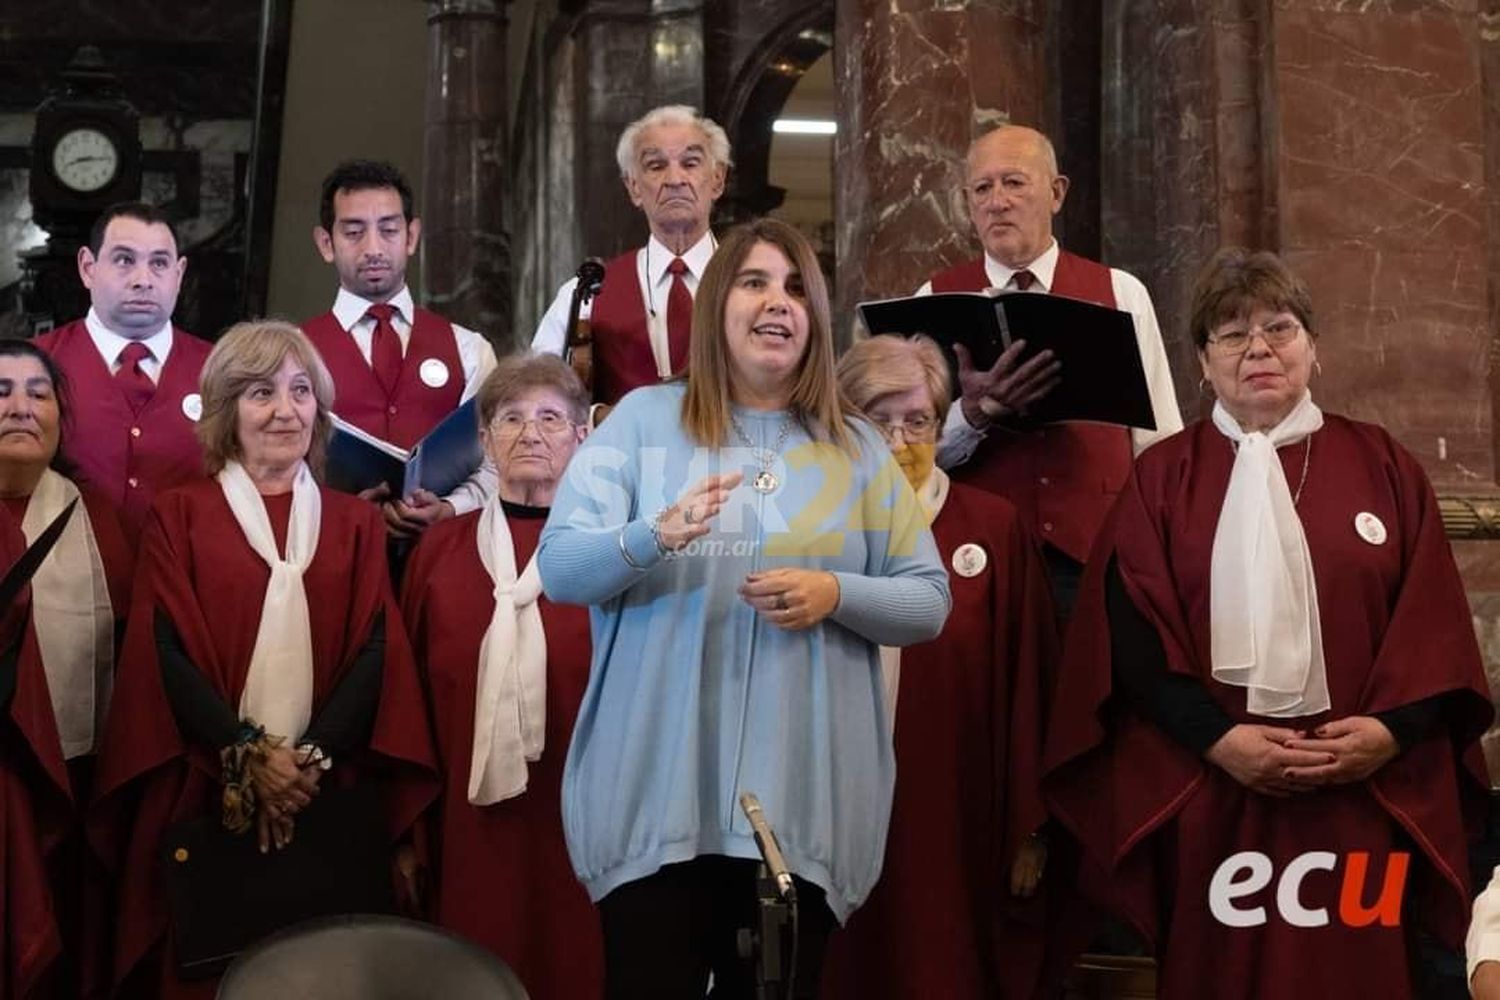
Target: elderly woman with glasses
{"type": "Point", "coordinates": [264, 661]}
{"type": "Point", "coordinates": [953, 914]}
{"type": "Point", "coordinates": [1269, 711]}
{"type": "Point", "coordinates": [506, 669]}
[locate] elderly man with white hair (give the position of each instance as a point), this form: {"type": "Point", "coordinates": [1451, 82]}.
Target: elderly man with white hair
{"type": "Point", "coordinates": [673, 163]}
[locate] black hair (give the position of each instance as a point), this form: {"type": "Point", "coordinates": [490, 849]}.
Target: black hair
{"type": "Point", "coordinates": [17, 347]}
{"type": "Point", "coordinates": [141, 210]}
{"type": "Point", "coordinates": [362, 175]}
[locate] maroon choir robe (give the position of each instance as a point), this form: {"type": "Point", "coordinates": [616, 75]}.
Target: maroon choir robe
{"type": "Point", "coordinates": [35, 804]}
{"type": "Point", "coordinates": [130, 457]}
{"type": "Point", "coordinates": [622, 343]}
{"type": "Point", "coordinates": [1062, 477]}
{"type": "Point", "coordinates": [502, 874]}
{"type": "Point", "coordinates": [941, 921]}
{"type": "Point", "coordinates": [76, 889]}
{"type": "Point", "coordinates": [198, 569]}
{"type": "Point", "coordinates": [416, 407]}
{"type": "Point", "coordinates": [1158, 821]}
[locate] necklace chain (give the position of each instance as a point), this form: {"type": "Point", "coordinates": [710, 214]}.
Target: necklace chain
{"type": "Point", "coordinates": [1306, 458]}
{"type": "Point", "coordinates": [765, 481]}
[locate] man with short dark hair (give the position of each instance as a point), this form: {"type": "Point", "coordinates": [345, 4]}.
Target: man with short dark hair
{"type": "Point", "coordinates": [673, 163]}
{"type": "Point", "coordinates": [133, 375]}
{"type": "Point", "coordinates": [1063, 477]}
{"type": "Point", "coordinates": [398, 369]}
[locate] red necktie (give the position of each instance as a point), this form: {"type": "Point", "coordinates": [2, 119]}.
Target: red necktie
{"type": "Point", "coordinates": [679, 315]}
{"type": "Point", "coordinates": [1024, 279]}
{"type": "Point", "coordinates": [385, 347]}
{"type": "Point", "coordinates": [132, 380]}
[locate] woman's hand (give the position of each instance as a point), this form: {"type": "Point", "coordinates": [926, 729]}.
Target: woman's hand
{"type": "Point", "coordinates": [1026, 870]}
{"type": "Point", "coordinates": [1359, 745]}
{"type": "Point", "coordinates": [281, 786]}
{"type": "Point", "coordinates": [792, 598]}
{"type": "Point", "coordinates": [1259, 758]}
{"type": "Point", "coordinates": [409, 880]}
{"type": "Point", "coordinates": [272, 830]}
{"type": "Point", "coordinates": [689, 517]}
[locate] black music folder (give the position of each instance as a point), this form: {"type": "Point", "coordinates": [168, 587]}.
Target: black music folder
{"type": "Point", "coordinates": [1102, 377]}
{"type": "Point", "coordinates": [439, 462]}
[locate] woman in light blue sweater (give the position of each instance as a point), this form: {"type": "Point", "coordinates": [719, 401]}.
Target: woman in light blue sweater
{"type": "Point", "coordinates": [746, 543]}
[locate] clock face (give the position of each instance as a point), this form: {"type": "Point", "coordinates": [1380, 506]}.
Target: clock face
{"type": "Point", "coordinates": [85, 159]}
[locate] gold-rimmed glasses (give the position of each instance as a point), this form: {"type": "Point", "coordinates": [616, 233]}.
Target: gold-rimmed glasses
{"type": "Point", "coordinates": [1277, 333]}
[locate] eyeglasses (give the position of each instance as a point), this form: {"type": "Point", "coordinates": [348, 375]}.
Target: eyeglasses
{"type": "Point", "coordinates": [918, 428]}
{"type": "Point", "coordinates": [549, 422]}
{"type": "Point", "coordinates": [1277, 333]}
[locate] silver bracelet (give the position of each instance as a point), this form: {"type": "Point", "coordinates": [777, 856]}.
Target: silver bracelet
{"type": "Point", "coordinates": [661, 547]}
{"type": "Point", "coordinates": [625, 552]}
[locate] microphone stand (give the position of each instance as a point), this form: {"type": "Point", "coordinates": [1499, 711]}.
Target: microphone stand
{"type": "Point", "coordinates": [771, 945]}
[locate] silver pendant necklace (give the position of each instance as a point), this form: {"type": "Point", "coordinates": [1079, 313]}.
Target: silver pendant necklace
{"type": "Point", "coordinates": [765, 480]}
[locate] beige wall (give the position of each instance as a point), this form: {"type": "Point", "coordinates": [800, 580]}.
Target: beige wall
{"type": "Point", "coordinates": [355, 88]}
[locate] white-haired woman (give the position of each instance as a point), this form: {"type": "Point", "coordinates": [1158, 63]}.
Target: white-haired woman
{"type": "Point", "coordinates": [955, 913]}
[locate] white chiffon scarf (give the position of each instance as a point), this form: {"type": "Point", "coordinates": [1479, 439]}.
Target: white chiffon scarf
{"type": "Point", "coordinates": [75, 622]}
{"type": "Point", "coordinates": [279, 684]}
{"type": "Point", "coordinates": [932, 496]}
{"type": "Point", "coordinates": [1265, 631]}
{"type": "Point", "coordinates": [510, 704]}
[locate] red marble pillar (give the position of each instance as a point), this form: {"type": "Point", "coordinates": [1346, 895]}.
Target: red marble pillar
{"type": "Point", "coordinates": [917, 82]}
{"type": "Point", "coordinates": [466, 268]}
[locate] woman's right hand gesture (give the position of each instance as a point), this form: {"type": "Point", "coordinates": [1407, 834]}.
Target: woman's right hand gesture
{"type": "Point", "coordinates": [1257, 757]}
{"type": "Point", "coordinates": [689, 517]}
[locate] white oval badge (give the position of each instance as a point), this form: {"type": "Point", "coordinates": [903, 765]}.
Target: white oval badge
{"type": "Point", "coordinates": [433, 373]}
{"type": "Point", "coordinates": [970, 560]}
{"type": "Point", "coordinates": [1369, 527]}
{"type": "Point", "coordinates": [192, 406]}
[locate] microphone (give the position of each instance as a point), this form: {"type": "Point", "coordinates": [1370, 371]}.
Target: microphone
{"type": "Point", "coordinates": [591, 276]}
{"type": "Point", "coordinates": [770, 850]}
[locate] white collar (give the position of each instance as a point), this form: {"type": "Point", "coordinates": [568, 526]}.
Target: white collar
{"type": "Point", "coordinates": [659, 255]}
{"type": "Point", "coordinates": [110, 344]}
{"type": "Point", "coordinates": [1042, 269]}
{"type": "Point", "coordinates": [349, 308]}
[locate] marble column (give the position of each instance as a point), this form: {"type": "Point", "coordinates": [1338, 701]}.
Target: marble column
{"type": "Point", "coordinates": [1184, 160]}
{"type": "Point", "coordinates": [633, 55]}
{"type": "Point", "coordinates": [466, 255]}
{"type": "Point", "coordinates": [917, 82]}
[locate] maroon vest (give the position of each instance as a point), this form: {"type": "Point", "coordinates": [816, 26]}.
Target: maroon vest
{"type": "Point", "coordinates": [128, 457]}
{"type": "Point", "coordinates": [1063, 477]}
{"type": "Point", "coordinates": [622, 344]}
{"type": "Point", "coordinates": [416, 407]}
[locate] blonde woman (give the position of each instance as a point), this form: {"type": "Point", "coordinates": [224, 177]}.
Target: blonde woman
{"type": "Point", "coordinates": [263, 647]}
{"type": "Point", "coordinates": [747, 543]}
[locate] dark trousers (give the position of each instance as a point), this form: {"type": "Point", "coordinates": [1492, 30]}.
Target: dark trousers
{"type": "Point", "coordinates": [665, 933]}
{"type": "Point", "coordinates": [1064, 573]}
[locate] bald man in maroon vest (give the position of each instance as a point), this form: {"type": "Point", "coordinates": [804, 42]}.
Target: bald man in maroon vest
{"type": "Point", "coordinates": [673, 163]}
{"type": "Point", "coordinates": [132, 375]}
{"type": "Point", "coordinates": [398, 370]}
{"type": "Point", "coordinates": [1063, 477]}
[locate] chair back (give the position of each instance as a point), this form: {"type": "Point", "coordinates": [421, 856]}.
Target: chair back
{"type": "Point", "coordinates": [366, 957]}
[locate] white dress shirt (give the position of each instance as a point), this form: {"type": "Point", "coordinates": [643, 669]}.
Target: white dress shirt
{"type": "Point", "coordinates": [110, 344]}
{"type": "Point", "coordinates": [651, 263]}
{"type": "Point", "coordinates": [474, 353]}
{"type": "Point", "coordinates": [960, 438]}
{"type": "Point", "coordinates": [1483, 941]}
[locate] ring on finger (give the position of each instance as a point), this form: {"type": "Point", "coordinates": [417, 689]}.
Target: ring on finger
{"type": "Point", "coordinates": [687, 515]}
{"type": "Point", "coordinates": [781, 602]}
